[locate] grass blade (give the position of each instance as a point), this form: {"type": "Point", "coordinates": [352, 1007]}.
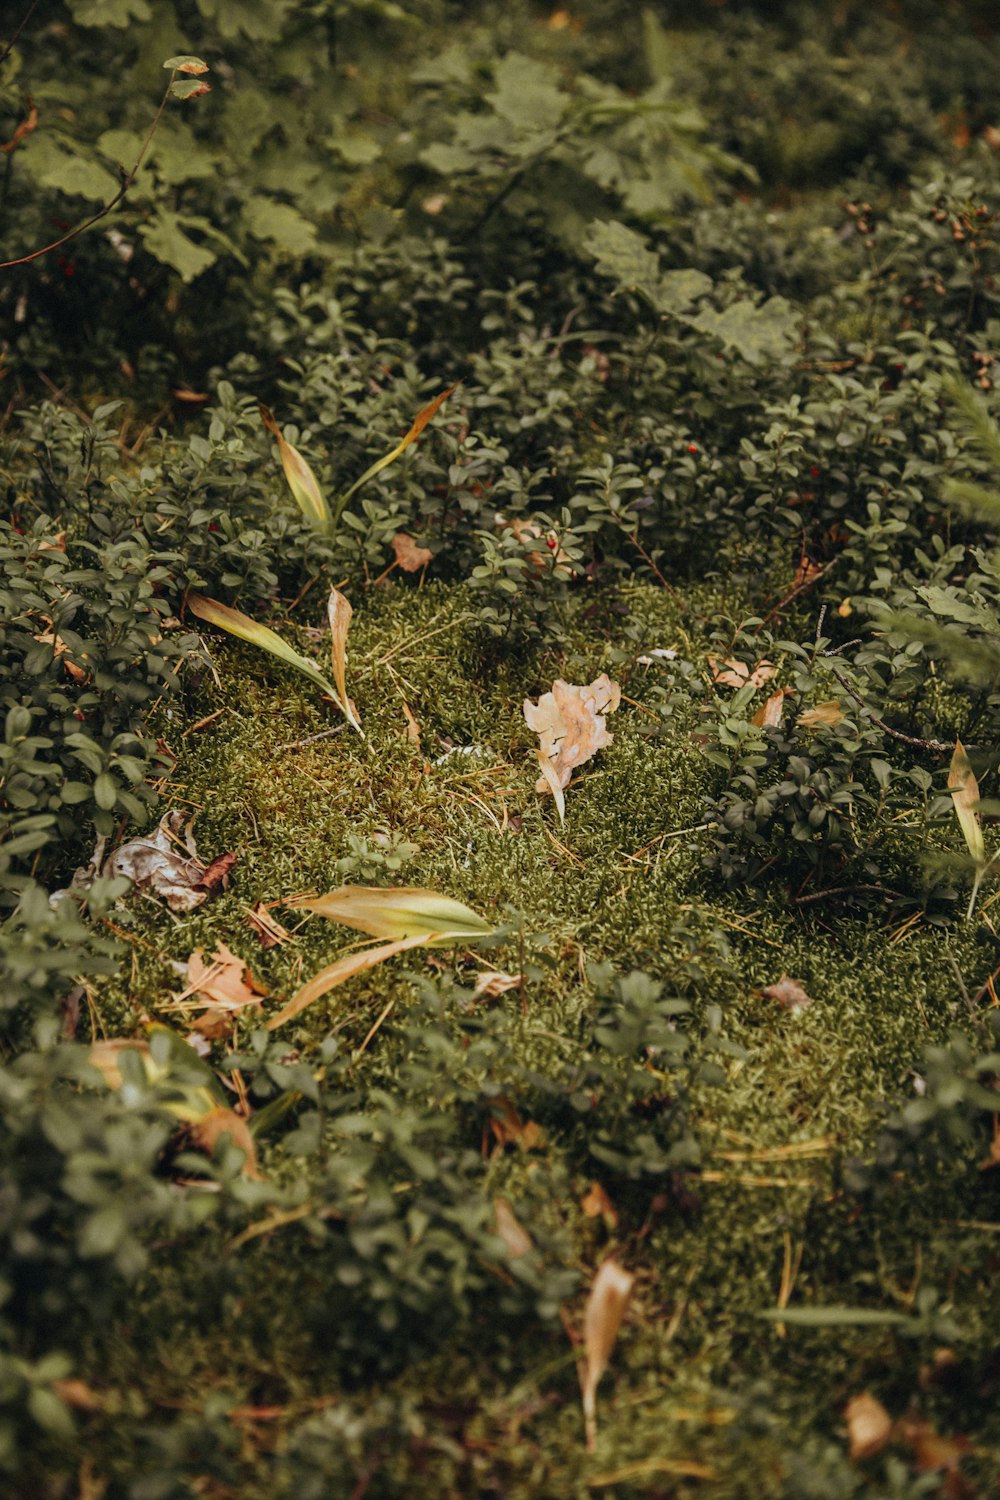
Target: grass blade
{"type": "Point", "coordinates": [241, 625]}
{"type": "Point", "coordinates": [420, 422]}
{"type": "Point", "coordinates": [301, 480]}
{"type": "Point", "coordinates": [339, 612]}
{"type": "Point", "coordinates": [399, 913]}
{"type": "Point", "coordinates": [336, 973]}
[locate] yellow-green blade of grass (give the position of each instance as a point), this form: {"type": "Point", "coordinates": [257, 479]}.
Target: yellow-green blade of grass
{"type": "Point", "coordinates": [301, 480]}
{"type": "Point", "coordinates": [237, 623]}
{"type": "Point", "coordinates": [336, 973]}
{"type": "Point", "coordinates": [400, 914]}
{"type": "Point", "coordinates": [420, 422]}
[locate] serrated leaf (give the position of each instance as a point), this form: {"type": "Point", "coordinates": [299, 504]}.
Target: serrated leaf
{"type": "Point", "coordinates": [623, 255]}
{"type": "Point", "coordinates": [267, 219]}
{"type": "Point", "coordinates": [185, 63]}
{"type": "Point", "coordinates": [164, 238]}
{"type": "Point", "coordinates": [189, 88]}
{"type": "Point", "coordinates": [757, 333]}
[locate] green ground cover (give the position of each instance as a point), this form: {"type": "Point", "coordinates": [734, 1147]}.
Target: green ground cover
{"type": "Point", "coordinates": [719, 287]}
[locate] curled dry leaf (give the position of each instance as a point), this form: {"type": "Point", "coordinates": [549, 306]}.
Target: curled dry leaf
{"type": "Point", "coordinates": [602, 1318]}
{"type": "Point", "coordinates": [60, 649]}
{"type": "Point", "coordinates": [262, 636]}
{"type": "Point", "coordinates": [729, 672]}
{"type": "Point", "coordinates": [788, 993]}
{"type": "Point", "coordinates": [217, 872]}
{"type": "Point", "coordinates": [268, 928]}
{"type": "Point", "coordinates": [157, 867]}
{"type": "Point", "coordinates": [409, 556]}
{"type": "Point", "coordinates": [515, 1237]}
{"type": "Point", "coordinates": [571, 725]}
{"type": "Point", "coordinates": [869, 1426]}
{"type": "Point", "coordinates": [338, 612]}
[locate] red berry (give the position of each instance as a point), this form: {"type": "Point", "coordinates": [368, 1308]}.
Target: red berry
{"type": "Point", "coordinates": [814, 471]}
{"type": "Point", "coordinates": [692, 447]}
{"type": "Point", "coordinates": [551, 543]}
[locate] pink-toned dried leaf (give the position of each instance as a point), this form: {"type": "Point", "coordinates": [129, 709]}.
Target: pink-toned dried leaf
{"type": "Point", "coordinates": [409, 556]}
{"type": "Point", "coordinates": [515, 1237]}
{"type": "Point", "coordinates": [224, 981]}
{"type": "Point", "coordinates": [338, 613]}
{"type": "Point", "coordinates": [551, 780]}
{"type": "Point", "coordinates": [869, 1426]}
{"type": "Point", "coordinates": [788, 993]}
{"type": "Point", "coordinates": [571, 725]}
{"type": "Point", "coordinates": [597, 1205]}
{"type": "Point", "coordinates": [602, 1318]}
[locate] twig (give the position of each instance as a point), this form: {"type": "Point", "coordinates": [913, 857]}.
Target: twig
{"type": "Point", "coordinates": [940, 747]}
{"type": "Point", "coordinates": [127, 179]}
{"type": "Point", "coordinates": [843, 890]}
{"type": "Point", "coordinates": [13, 41]}
{"type": "Point", "coordinates": [800, 588]}
{"type": "Point", "coordinates": [634, 539]}
{"type": "Point", "coordinates": [310, 739]}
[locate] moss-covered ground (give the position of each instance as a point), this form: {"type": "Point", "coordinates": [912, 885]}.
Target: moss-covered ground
{"type": "Point", "coordinates": [703, 1395]}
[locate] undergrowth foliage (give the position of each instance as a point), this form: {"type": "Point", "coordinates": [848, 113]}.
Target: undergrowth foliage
{"type": "Point", "coordinates": [715, 307]}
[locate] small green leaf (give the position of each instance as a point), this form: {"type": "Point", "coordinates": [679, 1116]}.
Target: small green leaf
{"type": "Point", "coordinates": [186, 64]}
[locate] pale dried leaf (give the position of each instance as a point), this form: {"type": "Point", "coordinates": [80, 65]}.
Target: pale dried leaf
{"type": "Point", "coordinates": [602, 1318]}
{"type": "Point", "coordinates": [515, 1237]}
{"type": "Point", "coordinates": [868, 1426]}
{"type": "Point", "coordinates": [729, 672]}
{"type": "Point", "coordinates": [571, 725]}
{"type": "Point", "coordinates": [338, 611]}
{"type": "Point", "coordinates": [156, 867]}
{"type": "Point", "coordinates": [831, 712]}
{"type": "Point", "coordinates": [788, 993]}
{"type": "Point", "coordinates": [393, 912]}
{"type": "Point", "coordinates": [965, 794]}
{"type": "Point", "coordinates": [336, 973]}
{"type": "Point", "coordinates": [409, 556]}
{"type": "Point", "coordinates": [494, 983]}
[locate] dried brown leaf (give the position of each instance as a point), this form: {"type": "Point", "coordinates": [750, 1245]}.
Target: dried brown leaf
{"type": "Point", "coordinates": [205, 1134]}
{"type": "Point", "coordinates": [409, 556]}
{"type": "Point", "coordinates": [965, 794]}
{"type": "Point", "coordinates": [768, 716]}
{"type": "Point", "coordinates": [788, 993]}
{"type": "Point", "coordinates": [412, 727]}
{"type": "Point", "coordinates": [510, 1130]}
{"type": "Point", "coordinates": [217, 872]}
{"type": "Point", "coordinates": [268, 928]}
{"type": "Point", "coordinates": [224, 981]}
{"type": "Point", "coordinates": [869, 1426]}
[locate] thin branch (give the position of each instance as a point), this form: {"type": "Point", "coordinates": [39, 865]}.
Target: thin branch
{"type": "Point", "coordinates": [845, 890]}
{"type": "Point", "coordinates": [634, 539]}
{"type": "Point", "coordinates": [800, 588]}
{"type": "Point", "coordinates": [127, 180]}
{"type": "Point", "coordinates": [940, 747]}
{"type": "Point", "coordinates": [13, 41]}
